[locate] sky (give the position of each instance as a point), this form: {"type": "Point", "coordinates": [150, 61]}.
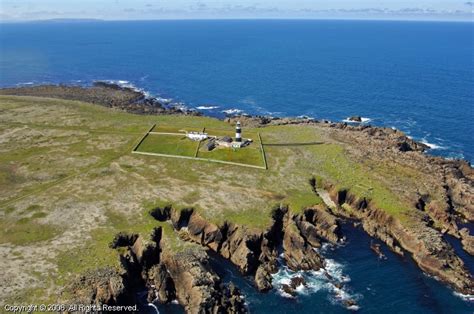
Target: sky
{"type": "Point", "coordinates": [27, 10]}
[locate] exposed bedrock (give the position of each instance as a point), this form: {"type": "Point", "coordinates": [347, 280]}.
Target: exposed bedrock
{"type": "Point", "coordinates": [467, 241]}
{"type": "Point", "coordinates": [198, 288]}
{"type": "Point", "coordinates": [254, 251]}
{"type": "Point", "coordinates": [161, 284]}
{"type": "Point", "coordinates": [432, 254]}
{"type": "Point", "coordinates": [185, 276]}
{"type": "Point", "coordinates": [298, 253]}
{"type": "Point", "coordinates": [326, 226]}
{"type": "Point", "coordinates": [101, 286]}
{"type": "Point", "coordinates": [106, 94]}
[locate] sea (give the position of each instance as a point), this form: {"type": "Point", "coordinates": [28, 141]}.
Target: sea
{"type": "Point", "coordinates": [414, 76]}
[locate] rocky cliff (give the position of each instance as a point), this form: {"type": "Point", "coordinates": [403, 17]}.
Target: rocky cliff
{"type": "Point", "coordinates": [415, 235]}
{"type": "Point", "coordinates": [185, 276]}
{"type": "Point", "coordinates": [255, 252]}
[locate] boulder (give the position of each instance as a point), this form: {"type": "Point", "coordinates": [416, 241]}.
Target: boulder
{"type": "Point", "coordinates": [355, 119]}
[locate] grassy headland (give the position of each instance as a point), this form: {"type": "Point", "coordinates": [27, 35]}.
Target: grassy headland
{"type": "Point", "coordinates": [69, 183]}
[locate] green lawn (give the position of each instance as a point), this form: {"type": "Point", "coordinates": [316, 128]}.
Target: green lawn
{"type": "Point", "coordinates": [246, 155]}
{"type": "Point", "coordinates": [168, 145]}
{"type": "Point", "coordinates": [181, 146]}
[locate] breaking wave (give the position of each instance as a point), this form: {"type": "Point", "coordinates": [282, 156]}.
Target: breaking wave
{"type": "Point", "coordinates": [207, 107]}
{"type": "Point", "coordinates": [330, 278]}
{"type": "Point", "coordinates": [363, 120]}
{"type": "Point", "coordinates": [465, 297]}
{"type": "Point", "coordinates": [431, 145]}
{"type": "Point", "coordinates": [232, 111]}
{"type": "Point", "coordinates": [127, 84]}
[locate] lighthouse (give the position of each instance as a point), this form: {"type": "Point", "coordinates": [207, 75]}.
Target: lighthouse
{"type": "Point", "coordinates": [238, 132]}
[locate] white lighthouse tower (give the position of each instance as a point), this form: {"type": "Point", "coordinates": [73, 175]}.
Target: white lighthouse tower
{"type": "Point", "coordinates": [238, 132]}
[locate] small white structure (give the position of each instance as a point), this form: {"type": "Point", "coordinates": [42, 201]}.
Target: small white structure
{"type": "Point", "coordinates": [197, 136]}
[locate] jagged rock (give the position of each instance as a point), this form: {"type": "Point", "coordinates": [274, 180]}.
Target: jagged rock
{"type": "Point", "coordinates": [299, 255]}
{"type": "Point", "coordinates": [432, 254]}
{"type": "Point", "coordinates": [467, 241]}
{"type": "Point", "coordinates": [259, 121]}
{"type": "Point", "coordinates": [355, 118]}
{"type": "Point", "coordinates": [297, 281]}
{"type": "Point", "coordinates": [180, 218]}
{"type": "Point", "coordinates": [404, 147]}
{"type": "Point", "coordinates": [288, 290]}
{"type": "Point", "coordinates": [242, 247]}
{"type": "Point", "coordinates": [441, 214]}
{"type": "Point", "coordinates": [326, 225]}
{"type": "Point", "coordinates": [309, 232]}
{"type": "Point", "coordinates": [252, 251]}
{"type": "Point", "coordinates": [263, 279]}
{"type": "Point", "coordinates": [203, 232]}
{"type": "Point", "coordinates": [101, 286]}
{"type": "Point", "coordinates": [161, 285]}
{"type": "Point", "coordinates": [198, 288]}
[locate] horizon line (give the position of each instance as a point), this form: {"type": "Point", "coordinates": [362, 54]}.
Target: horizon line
{"type": "Point", "coordinates": [238, 19]}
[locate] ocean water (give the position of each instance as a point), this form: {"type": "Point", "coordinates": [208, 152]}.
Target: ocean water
{"type": "Point", "coordinates": [394, 285]}
{"type": "Point", "coordinates": [415, 76]}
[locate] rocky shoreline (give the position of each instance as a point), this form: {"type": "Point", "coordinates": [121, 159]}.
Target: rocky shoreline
{"type": "Point", "coordinates": [187, 276]}
{"type": "Point", "coordinates": [103, 93]}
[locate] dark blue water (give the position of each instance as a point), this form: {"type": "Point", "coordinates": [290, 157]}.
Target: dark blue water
{"type": "Point", "coordinates": [387, 286]}
{"type": "Point", "coordinates": [393, 285]}
{"type": "Point", "coordinates": [416, 76]}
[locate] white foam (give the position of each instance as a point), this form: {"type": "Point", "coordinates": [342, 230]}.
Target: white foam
{"type": "Point", "coordinates": [353, 308]}
{"type": "Point", "coordinates": [285, 295]}
{"type": "Point", "coordinates": [126, 84]}
{"type": "Point", "coordinates": [179, 105]}
{"type": "Point", "coordinates": [330, 278]}
{"type": "Point", "coordinates": [26, 83]}
{"type": "Point", "coordinates": [233, 111]}
{"type": "Point", "coordinates": [431, 145]}
{"type": "Point", "coordinates": [207, 107]}
{"type": "Point", "coordinates": [305, 117]}
{"type": "Point", "coordinates": [154, 307]}
{"type": "Point", "coordinates": [466, 297]}
{"type": "Point", "coordinates": [164, 100]}
{"type": "Point", "coordinates": [363, 120]}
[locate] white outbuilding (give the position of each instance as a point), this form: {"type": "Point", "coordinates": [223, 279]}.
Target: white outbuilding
{"type": "Point", "coordinates": [197, 136]}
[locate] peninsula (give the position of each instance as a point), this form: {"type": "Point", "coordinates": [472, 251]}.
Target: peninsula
{"type": "Point", "coordinates": [86, 221]}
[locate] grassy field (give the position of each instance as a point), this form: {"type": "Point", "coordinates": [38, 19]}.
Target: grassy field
{"type": "Point", "coordinates": [168, 145]}
{"type": "Point", "coordinates": [165, 128]}
{"type": "Point", "coordinates": [176, 145]}
{"type": "Point", "coordinates": [69, 182]}
{"type": "Point", "coordinates": [250, 155]}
